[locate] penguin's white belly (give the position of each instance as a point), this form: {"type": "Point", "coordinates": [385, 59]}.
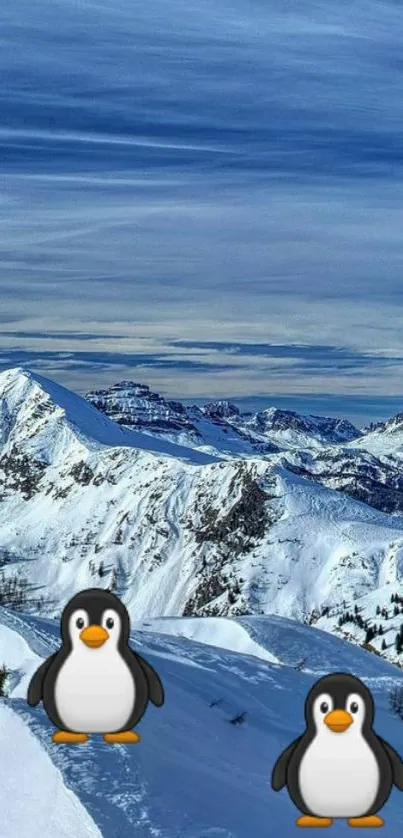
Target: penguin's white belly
{"type": "Point", "coordinates": [94, 691]}
{"type": "Point", "coordinates": [339, 777]}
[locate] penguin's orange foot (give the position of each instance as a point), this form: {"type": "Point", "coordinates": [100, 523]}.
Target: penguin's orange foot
{"type": "Point", "coordinates": [63, 737]}
{"type": "Point", "coordinates": [127, 737]}
{"type": "Point", "coordinates": [371, 820]}
{"type": "Point", "coordinates": [309, 820]}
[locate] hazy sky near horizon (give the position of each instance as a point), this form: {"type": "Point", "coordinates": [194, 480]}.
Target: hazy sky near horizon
{"type": "Point", "coordinates": [205, 197]}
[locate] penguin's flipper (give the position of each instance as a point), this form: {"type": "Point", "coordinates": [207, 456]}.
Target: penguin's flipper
{"type": "Point", "coordinates": [155, 688]}
{"type": "Point", "coordinates": [279, 773]}
{"type": "Point", "coordinates": [396, 763]}
{"type": "Point", "coordinates": [35, 688]}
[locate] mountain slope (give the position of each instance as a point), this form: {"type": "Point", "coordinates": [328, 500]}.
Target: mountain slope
{"type": "Point", "coordinates": [194, 774]}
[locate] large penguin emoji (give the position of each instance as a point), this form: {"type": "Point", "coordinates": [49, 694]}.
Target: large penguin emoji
{"type": "Point", "coordinates": [339, 767]}
{"type": "Point", "coordinates": [95, 683]}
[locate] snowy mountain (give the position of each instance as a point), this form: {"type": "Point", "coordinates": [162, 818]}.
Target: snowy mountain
{"type": "Point", "coordinates": [384, 438]}
{"type": "Point", "coordinates": [135, 405]}
{"type": "Point", "coordinates": [292, 430]}
{"type": "Point", "coordinates": [375, 480]}
{"type": "Point", "coordinates": [193, 774]}
{"type": "Point", "coordinates": [219, 426]}
{"type": "Point", "coordinates": [177, 530]}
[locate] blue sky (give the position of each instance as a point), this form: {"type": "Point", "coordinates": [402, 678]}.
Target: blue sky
{"type": "Point", "coordinates": [206, 197]}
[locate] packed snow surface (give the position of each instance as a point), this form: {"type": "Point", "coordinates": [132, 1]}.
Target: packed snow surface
{"type": "Point", "coordinates": [215, 631]}
{"type": "Point", "coordinates": [35, 801]}
{"type": "Point", "coordinates": [193, 773]}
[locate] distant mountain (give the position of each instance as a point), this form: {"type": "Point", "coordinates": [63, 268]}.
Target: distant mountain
{"type": "Point", "coordinates": [330, 451]}
{"type": "Point", "coordinates": [292, 430]}
{"type": "Point", "coordinates": [376, 481]}
{"type": "Point", "coordinates": [384, 438]}
{"type": "Point", "coordinates": [395, 423]}
{"type": "Point", "coordinates": [208, 428]}
{"type": "Point", "coordinates": [135, 405]}
{"type": "Point", "coordinates": [218, 426]}
{"type": "Point", "coordinates": [181, 530]}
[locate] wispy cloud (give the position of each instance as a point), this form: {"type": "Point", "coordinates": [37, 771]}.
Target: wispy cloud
{"type": "Point", "coordinates": [185, 186]}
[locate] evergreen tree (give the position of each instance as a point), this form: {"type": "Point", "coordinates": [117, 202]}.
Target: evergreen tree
{"type": "Point", "coordinates": [383, 644]}
{"type": "Point", "coordinates": [114, 580]}
{"type": "Point", "coordinates": [369, 635]}
{"type": "Point", "coordinates": [4, 675]}
{"type": "Point", "coordinates": [396, 701]}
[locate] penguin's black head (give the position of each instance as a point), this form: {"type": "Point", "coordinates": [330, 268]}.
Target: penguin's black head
{"type": "Point", "coordinates": [95, 617]}
{"type": "Point", "coordinates": [339, 702]}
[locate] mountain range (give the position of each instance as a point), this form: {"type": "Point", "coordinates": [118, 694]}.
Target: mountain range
{"type": "Point", "coordinates": [188, 510]}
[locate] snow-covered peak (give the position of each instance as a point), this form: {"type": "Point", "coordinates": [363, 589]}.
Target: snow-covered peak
{"type": "Point", "coordinates": [395, 423]}
{"type": "Point", "coordinates": [220, 410]}
{"type": "Point", "coordinates": [135, 405]}
{"type": "Point", "coordinates": [292, 429]}
{"type": "Point", "coordinates": [56, 423]}
{"type": "Point", "coordinates": [383, 438]}
{"type": "Point", "coordinates": [38, 408]}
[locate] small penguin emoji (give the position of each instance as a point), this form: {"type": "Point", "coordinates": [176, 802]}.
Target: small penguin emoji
{"type": "Point", "coordinates": [339, 767]}
{"type": "Point", "coordinates": [95, 683]}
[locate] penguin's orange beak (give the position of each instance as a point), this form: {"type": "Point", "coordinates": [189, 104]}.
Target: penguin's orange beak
{"type": "Point", "coordinates": [94, 636]}
{"type": "Point", "coordinates": [338, 720]}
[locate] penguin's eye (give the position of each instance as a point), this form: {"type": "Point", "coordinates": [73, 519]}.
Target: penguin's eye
{"type": "Point", "coordinates": [110, 620]}
{"type": "Point", "coordinates": [324, 707]}
{"type": "Point", "coordinates": [354, 704]}
{"type": "Point", "coordinates": [80, 623]}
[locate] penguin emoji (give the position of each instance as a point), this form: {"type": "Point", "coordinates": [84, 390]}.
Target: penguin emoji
{"type": "Point", "coordinates": [339, 767]}
{"type": "Point", "coordinates": [95, 683]}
